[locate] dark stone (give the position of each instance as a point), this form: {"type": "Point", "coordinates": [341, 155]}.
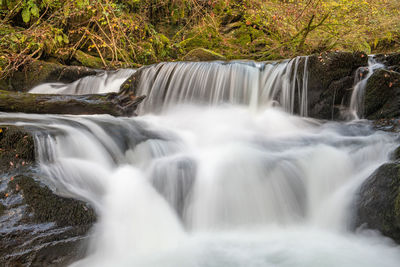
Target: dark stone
{"type": "Point", "coordinates": [378, 201]}
{"type": "Point", "coordinates": [388, 59]}
{"type": "Point", "coordinates": [396, 154]}
{"type": "Point", "coordinates": [48, 207]}
{"type": "Point", "coordinates": [382, 95]}
{"type": "Point", "coordinates": [38, 72]}
{"type": "Point", "coordinates": [49, 230]}
{"type": "Point", "coordinates": [331, 77]}
{"type": "Point", "coordinates": [2, 208]}
{"type": "Point", "coordinates": [16, 148]}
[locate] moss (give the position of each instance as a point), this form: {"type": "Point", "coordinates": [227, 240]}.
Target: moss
{"type": "Point", "coordinates": [88, 60]}
{"type": "Point", "coordinates": [16, 146]}
{"type": "Point", "coordinates": [206, 37]}
{"type": "Point", "coordinates": [396, 154]}
{"type": "Point", "coordinates": [201, 54]}
{"type": "Point", "coordinates": [48, 207]}
{"type": "Point", "coordinates": [397, 206]}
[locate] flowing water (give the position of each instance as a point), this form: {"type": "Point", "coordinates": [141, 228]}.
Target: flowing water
{"type": "Point", "coordinates": [250, 83]}
{"type": "Point", "coordinates": [103, 82]}
{"type": "Point", "coordinates": [361, 79]}
{"type": "Point", "coordinates": [228, 180]}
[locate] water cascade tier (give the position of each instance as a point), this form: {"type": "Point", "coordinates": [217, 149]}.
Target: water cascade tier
{"type": "Point", "coordinates": [103, 82]}
{"type": "Point", "coordinates": [216, 186]}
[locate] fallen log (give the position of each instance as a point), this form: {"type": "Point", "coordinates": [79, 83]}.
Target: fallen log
{"type": "Point", "coordinates": [113, 103]}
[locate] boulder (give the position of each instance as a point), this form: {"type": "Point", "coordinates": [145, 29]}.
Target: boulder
{"type": "Point", "coordinates": [37, 72]}
{"type": "Point", "coordinates": [378, 201]}
{"type": "Point", "coordinates": [331, 78]}
{"type": "Point", "coordinates": [382, 95]}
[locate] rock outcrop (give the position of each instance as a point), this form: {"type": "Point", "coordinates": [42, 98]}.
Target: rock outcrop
{"type": "Point", "coordinates": [37, 72]}
{"type": "Point", "coordinates": [382, 95]}
{"type": "Point", "coordinates": [37, 227]}
{"type": "Point", "coordinates": [330, 82]}
{"type": "Point", "coordinates": [378, 201]}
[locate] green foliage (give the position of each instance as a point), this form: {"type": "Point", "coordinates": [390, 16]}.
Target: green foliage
{"type": "Point", "coordinates": [124, 32]}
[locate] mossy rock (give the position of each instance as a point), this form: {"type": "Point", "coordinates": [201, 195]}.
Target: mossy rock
{"type": "Point", "coordinates": [16, 148]}
{"type": "Point", "coordinates": [396, 154]}
{"type": "Point", "coordinates": [49, 207]}
{"type": "Point", "coordinates": [202, 54]}
{"type": "Point", "coordinates": [378, 201]}
{"type": "Point", "coordinates": [57, 231]}
{"type": "Point", "coordinates": [38, 72]}
{"type": "Point", "coordinates": [382, 95]}
{"type": "Point", "coordinates": [88, 60]}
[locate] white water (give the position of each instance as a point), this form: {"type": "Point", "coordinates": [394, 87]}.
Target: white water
{"type": "Point", "coordinates": [254, 84]}
{"type": "Point", "coordinates": [103, 82]}
{"type": "Point", "coordinates": [204, 183]}
{"type": "Point", "coordinates": [217, 187]}
{"type": "Point", "coordinates": [357, 96]}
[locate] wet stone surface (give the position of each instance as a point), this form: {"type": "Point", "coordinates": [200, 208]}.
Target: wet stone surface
{"type": "Point", "coordinates": [37, 227]}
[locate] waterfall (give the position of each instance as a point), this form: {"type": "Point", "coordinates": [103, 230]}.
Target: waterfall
{"type": "Point", "coordinates": [238, 82]}
{"type": "Point", "coordinates": [254, 84]}
{"type": "Point", "coordinates": [215, 186]}
{"type": "Point", "coordinates": [218, 171]}
{"type": "Point", "coordinates": [103, 82]}
{"type": "Point", "coordinates": [360, 83]}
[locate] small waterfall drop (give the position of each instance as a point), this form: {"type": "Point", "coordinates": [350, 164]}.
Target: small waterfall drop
{"type": "Point", "coordinates": [103, 82]}
{"type": "Point", "coordinates": [357, 97]}
{"type": "Point", "coordinates": [237, 82]}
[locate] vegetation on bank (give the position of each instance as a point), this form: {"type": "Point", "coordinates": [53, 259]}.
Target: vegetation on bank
{"type": "Point", "coordinates": [118, 33]}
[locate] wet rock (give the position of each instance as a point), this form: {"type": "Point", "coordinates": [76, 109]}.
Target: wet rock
{"type": "Point", "coordinates": [16, 148]}
{"type": "Point", "coordinates": [387, 125]}
{"type": "Point", "coordinates": [331, 77]}
{"type": "Point", "coordinates": [48, 207]}
{"type": "Point", "coordinates": [378, 201]}
{"type": "Point", "coordinates": [392, 59]}
{"type": "Point", "coordinates": [2, 208]}
{"type": "Point", "coordinates": [201, 54]}
{"type": "Point", "coordinates": [37, 226]}
{"type": "Point", "coordinates": [50, 230]}
{"type": "Point", "coordinates": [38, 72]}
{"type": "Point", "coordinates": [382, 95]}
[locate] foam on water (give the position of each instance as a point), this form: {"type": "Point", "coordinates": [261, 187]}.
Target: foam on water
{"type": "Point", "coordinates": [103, 82]}
{"type": "Point", "coordinates": [216, 186]}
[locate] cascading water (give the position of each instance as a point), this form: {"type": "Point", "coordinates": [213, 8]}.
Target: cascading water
{"type": "Point", "coordinates": [361, 79]}
{"type": "Point", "coordinates": [218, 186]}
{"type": "Point", "coordinates": [237, 82]}
{"type": "Point", "coordinates": [242, 184]}
{"type": "Point", "coordinates": [103, 82]}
